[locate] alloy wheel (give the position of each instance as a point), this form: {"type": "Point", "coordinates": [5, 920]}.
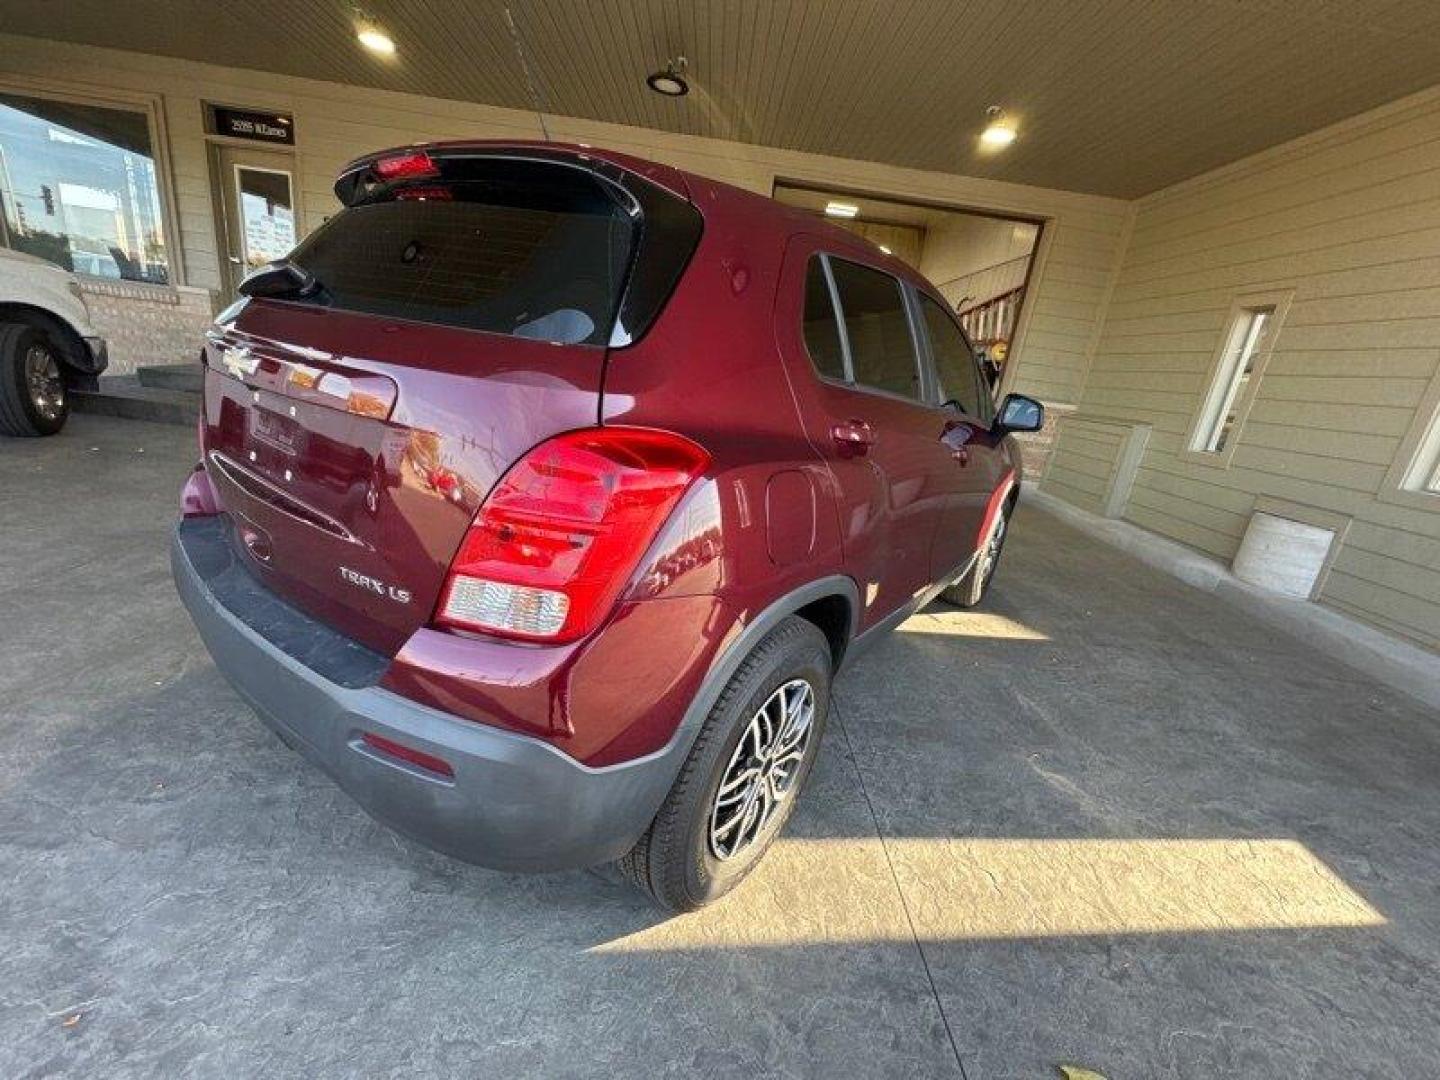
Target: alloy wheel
{"type": "Point", "coordinates": [763, 769]}
{"type": "Point", "coordinates": [991, 553]}
{"type": "Point", "coordinates": [43, 382]}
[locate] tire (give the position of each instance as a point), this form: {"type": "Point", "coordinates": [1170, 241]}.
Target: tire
{"type": "Point", "coordinates": [33, 399]}
{"type": "Point", "coordinates": [971, 589]}
{"type": "Point", "coordinates": [678, 861]}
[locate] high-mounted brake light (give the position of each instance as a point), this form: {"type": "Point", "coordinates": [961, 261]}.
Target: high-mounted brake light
{"type": "Point", "coordinates": [406, 167]}
{"type": "Point", "coordinates": [425, 193]}
{"type": "Point", "coordinates": [561, 533]}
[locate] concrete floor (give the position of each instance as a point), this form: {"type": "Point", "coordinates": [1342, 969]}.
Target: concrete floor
{"type": "Point", "coordinates": [1110, 822]}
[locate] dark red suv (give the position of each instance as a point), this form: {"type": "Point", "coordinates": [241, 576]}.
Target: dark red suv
{"type": "Point", "coordinates": [543, 490]}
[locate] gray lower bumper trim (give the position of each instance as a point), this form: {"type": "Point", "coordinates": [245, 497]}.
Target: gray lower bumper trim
{"type": "Point", "coordinates": [514, 803]}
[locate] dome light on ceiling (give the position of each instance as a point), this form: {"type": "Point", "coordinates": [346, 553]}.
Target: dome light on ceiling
{"type": "Point", "coordinates": [670, 82]}
{"type": "Point", "coordinates": [999, 132]}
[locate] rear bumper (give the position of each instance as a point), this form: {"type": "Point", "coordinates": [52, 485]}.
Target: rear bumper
{"type": "Point", "coordinates": [514, 803]}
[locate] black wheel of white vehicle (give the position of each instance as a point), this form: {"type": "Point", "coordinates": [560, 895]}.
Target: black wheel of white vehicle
{"type": "Point", "coordinates": [739, 785]}
{"type": "Point", "coordinates": [33, 400]}
{"type": "Point", "coordinates": [970, 590]}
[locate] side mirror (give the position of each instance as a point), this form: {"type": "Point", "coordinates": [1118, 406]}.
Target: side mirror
{"type": "Point", "coordinates": [277, 279]}
{"type": "Point", "coordinates": [1020, 413]}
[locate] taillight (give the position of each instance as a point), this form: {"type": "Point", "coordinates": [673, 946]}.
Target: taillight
{"type": "Point", "coordinates": [561, 533]}
{"type": "Point", "coordinates": [197, 497]}
{"type": "Point", "coordinates": [406, 167]}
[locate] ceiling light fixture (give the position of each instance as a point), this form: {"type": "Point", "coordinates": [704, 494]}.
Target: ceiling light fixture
{"type": "Point", "coordinates": [886, 250]}
{"type": "Point", "coordinates": [376, 40]}
{"type": "Point", "coordinates": [841, 209]}
{"type": "Point", "coordinates": [999, 132]}
{"type": "Point", "coordinates": [670, 82]}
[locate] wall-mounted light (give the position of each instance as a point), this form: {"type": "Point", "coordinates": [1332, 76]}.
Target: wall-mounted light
{"type": "Point", "coordinates": [671, 81]}
{"type": "Point", "coordinates": [841, 209]}
{"type": "Point", "coordinates": [375, 39]}
{"type": "Point", "coordinates": [999, 132]}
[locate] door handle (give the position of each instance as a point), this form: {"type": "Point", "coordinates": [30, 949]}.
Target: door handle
{"type": "Point", "coordinates": [956, 436]}
{"type": "Point", "coordinates": [853, 437]}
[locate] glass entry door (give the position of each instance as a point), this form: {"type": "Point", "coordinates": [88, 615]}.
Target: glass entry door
{"type": "Point", "coordinates": [257, 202]}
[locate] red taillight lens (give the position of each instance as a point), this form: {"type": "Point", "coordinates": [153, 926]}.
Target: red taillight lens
{"type": "Point", "coordinates": [406, 166]}
{"type": "Point", "coordinates": [560, 534]}
{"type": "Point", "coordinates": [197, 497]}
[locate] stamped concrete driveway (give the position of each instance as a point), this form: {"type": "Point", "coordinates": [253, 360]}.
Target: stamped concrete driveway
{"type": "Point", "coordinates": [1109, 822]}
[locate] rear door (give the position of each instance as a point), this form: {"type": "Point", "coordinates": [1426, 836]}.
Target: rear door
{"type": "Point", "coordinates": [461, 318]}
{"type": "Point", "coordinates": [856, 368]}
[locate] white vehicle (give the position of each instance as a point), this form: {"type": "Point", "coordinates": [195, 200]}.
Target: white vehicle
{"type": "Point", "coordinates": [48, 345]}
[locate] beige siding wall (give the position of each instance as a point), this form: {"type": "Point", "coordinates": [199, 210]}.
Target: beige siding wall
{"type": "Point", "coordinates": [905, 242]}
{"type": "Point", "coordinates": [1349, 218]}
{"type": "Point", "coordinates": [1084, 459]}
{"type": "Point", "coordinates": [336, 123]}
{"type": "Point", "coordinates": [959, 247]}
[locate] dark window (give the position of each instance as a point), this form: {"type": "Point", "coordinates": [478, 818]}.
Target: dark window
{"type": "Point", "coordinates": [882, 351]}
{"type": "Point", "coordinates": [960, 379]}
{"type": "Point", "coordinates": [822, 331]}
{"type": "Point", "coordinates": [534, 251]}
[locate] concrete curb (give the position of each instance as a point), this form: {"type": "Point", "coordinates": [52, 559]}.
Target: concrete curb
{"type": "Point", "coordinates": [127, 397]}
{"type": "Point", "coordinates": [1389, 660]}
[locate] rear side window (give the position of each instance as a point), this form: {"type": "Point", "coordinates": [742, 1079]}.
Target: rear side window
{"type": "Point", "coordinates": [822, 331]}
{"type": "Point", "coordinates": [954, 362]}
{"type": "Point", "coordinates": [531, 250]}
{"type": "Point", "coordinates": [882, 349]}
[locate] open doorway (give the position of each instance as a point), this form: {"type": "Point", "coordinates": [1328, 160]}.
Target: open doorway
{"type": "Point", "coordinates": [979, 262]}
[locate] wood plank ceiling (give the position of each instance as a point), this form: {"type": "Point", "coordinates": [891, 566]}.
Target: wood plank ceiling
{"type": "Point", "coordinates": [1116, 97]}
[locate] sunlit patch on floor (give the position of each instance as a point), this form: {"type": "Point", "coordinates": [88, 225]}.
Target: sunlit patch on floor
{"type": "Point", "coordinates": [1043, 888]}
{"type": "Point", "coordinates": [989, 889]}
{"type": "Point", "coordinates": [971, 624]}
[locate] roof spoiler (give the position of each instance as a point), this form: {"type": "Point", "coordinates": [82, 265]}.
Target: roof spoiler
{"type": "Point", "coordinates": [404, 163]}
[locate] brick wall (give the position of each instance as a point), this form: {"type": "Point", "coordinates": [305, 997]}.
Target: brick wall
{"type": "Point", "coordinates": [147, 324]}
{"type": "Point", "coordinates": [1036, 447]}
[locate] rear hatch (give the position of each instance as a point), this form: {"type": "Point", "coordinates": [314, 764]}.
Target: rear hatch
{"type": "Point", "coordinates": [454, 315]}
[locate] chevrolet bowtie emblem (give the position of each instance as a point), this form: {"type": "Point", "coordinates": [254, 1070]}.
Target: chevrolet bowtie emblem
{"type": "Point", "coordinates": [239, 360]}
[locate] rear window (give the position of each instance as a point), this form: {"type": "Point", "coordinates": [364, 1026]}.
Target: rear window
{"type": "Point", "coordinates": [528, 249]}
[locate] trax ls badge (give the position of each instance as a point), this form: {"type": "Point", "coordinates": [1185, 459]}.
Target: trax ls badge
{"type": "Point", "coordinates": [379, 588]}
